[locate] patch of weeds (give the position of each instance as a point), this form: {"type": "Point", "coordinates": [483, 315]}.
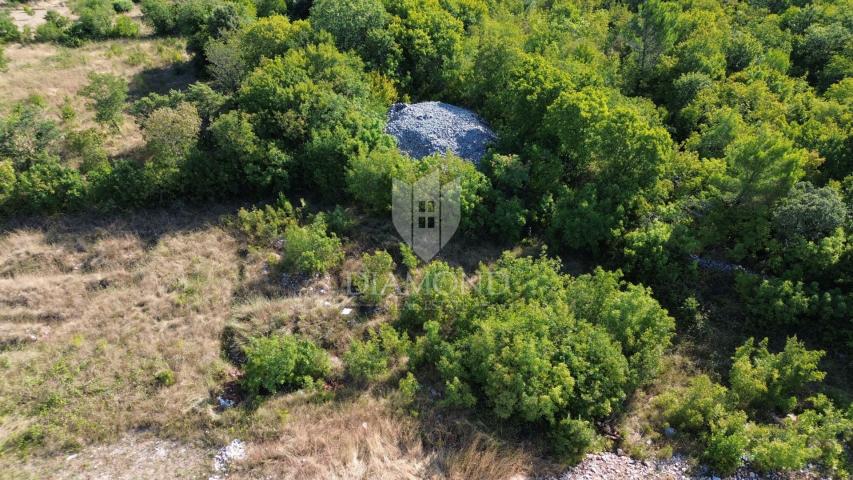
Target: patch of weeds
{"type": "Point", "coordinates": [115, 50]}
{"type": "Point", "coordinates": [165, 377]}
{"type": "Point", "coordinates": [169, 50]}
{"type": "Point", "coordinates": [137, 57]}
{"type": "Point", "coordinates": [189, 289]}
{"type": "Point", "coordinates": [66, 58]}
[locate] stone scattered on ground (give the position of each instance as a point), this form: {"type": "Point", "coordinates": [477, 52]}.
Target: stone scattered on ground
{"type": "Point", "coordinates": [234, 451]}
{"type": "Point", "coordinates": [426, 128]}
{"type": "Point", "coordinates": [133, 456]}
{"type": "Point", "coordinates": [612, 466]}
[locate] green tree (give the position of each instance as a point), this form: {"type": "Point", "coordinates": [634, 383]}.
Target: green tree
{"type": "Point", "coordinates": [107, 94]}
{"type": "Point", "coordinates": [617, 151]}
{"type": "Point", "coordinates": [654, 31]}
{"type": "Point", "coordinates": [170, 133]}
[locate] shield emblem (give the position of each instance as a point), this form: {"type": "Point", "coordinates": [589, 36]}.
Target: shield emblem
{"type": "Point", "coordinates": [426, 213]}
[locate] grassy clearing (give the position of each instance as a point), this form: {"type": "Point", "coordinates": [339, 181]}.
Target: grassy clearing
{"type": "Point", "coordinates": [56, 74]}
{"type": "Point", "coordinates": [94, 311]}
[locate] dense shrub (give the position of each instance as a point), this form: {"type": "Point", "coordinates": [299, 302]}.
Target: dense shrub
{"type": "Point", "coordinates": [534, 346]}
{"type": "Point", "coordinates": [809, 212]}
{"type": "Point", "coordinates": [282, 362]}
{"type": "Point", "coordinates": [122, 6]}
{"type": "Point", "coordinates": [262, 164]}
{"type": "Point", "coordinates": [125, 27]}
{"type": "Point", "coordinates": [631, 315]}
{"type": "Point", "coordinates": [159, 14]}
{"type": "Point", "coordinates": [54, 29]}
{"type": "Point", "coordinates": [48, 186]}
{"type": "Point", "coordinates": [27, 133]}
{"type": "Point", "coordinates": [95, 20]}
{"type": "Point", "coordinates": [762, 383]}
{"type": "Point", "coordinates": [8, 30]}
{"type": "Point", "coordinates": [766, 381]}
{"type": "Point", "coordinates": [370, 178]}
{"type": "Point", "coordinates": [85, 148]}
{"type": "Point", "coordinates": [263, 226]}
{"type": "Point", "coordinates": [7, 182]}
{"type": "Point", "coordinates": [319, 102]}
{"type": "Point", "coordinates": [360, 25]}
{"type": "Point", "coordinates": [310, 249]}
{"type": "Point", "coordinates": [376, 280]}
{"type": "Point", "coordinates": [122, 184]}
{"type": "Point", "coordinates": [370, 359]}
{"type": "Point", "coordinates": [439, 294]}
{"type": "Point", "coordinates": [273, 36]}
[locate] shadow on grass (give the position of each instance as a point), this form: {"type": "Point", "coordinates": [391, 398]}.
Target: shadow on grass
{"type": "Point", "coordinates": [176, 76]}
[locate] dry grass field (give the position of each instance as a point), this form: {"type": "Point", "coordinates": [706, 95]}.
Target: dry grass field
{"type": "Point", "coordinates": [56, 74]}
{"type": "Point", "coordinates": [111, 349]}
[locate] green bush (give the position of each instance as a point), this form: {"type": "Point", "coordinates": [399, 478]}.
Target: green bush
{"type": "Point", "coordinates": [265, 225]}
{"type": "Point", "coordinates": [122, 6]}
{"type": "Point", "coordinates": [282, 362]}
{"type": "Point", "coordinates": [727, 442]}
{"type": "Point", "coordinates": [50, 187]}
{"type": "Point", "coordinates": [85, 148]}
{"type": "Point", "coordinates": [572, 438]}
{"type": "Point", "coordinates": [809, 212]}
{"type": "Point", "coordinates": [440, 295]}
{"type": "Point", "coordinates": [27, 133]}
{"type": "Point", "coordinates": [264, 166]}
{"type": "Point", "coordinates": [310, 249]}
{"type": "Point", "coordinates": [54, 29]}
{"type": "Point", "coordinates": [160, 15]}
{"type": "Point", "coordinates": [165, 377]}
{"type": "Point", "coordinates": [410, 260]}
{"type": "Point", "coordinates": [630, 313]}
{"type": "Point", "coordinates": [695, 408]}
{"type": "Point", "coordinates": [767, 381]}
{"type": "Point", "coordinates": [762, 382]}
{"type": "Point", "coordinates": [124, 184]}
{"type": "Point", "coordinates": [368, 360]}
{"type": "Point", "coordinates": [375, 281]}
{"type": "Point", "coordinates": [407, 389]}
{"type": "Point", "coordinates": [125, 27]}
{"type": "Point", "coordinates": [370, 178]}
{"type": "Point", "coordinates": [95, 20]}
{"type": "Point", "coordinates": [7, 182]}
{"type": "Point", "coordinates": [530, 367]}
{"type": "Point", "coordinates": [8, 30]}
{"type": "Point", "coordinates": [365, 361]}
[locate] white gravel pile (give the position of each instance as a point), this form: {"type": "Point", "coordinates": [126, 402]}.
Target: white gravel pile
{"type": "Point", "coordinates": [423, 129]}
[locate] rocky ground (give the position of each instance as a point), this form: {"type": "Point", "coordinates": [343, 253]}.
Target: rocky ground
{"type": "Point", "coordinates": [611, 466]}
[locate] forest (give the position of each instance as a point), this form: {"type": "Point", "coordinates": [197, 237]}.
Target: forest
{"type": "Point", "coordinates": [672, 181]}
